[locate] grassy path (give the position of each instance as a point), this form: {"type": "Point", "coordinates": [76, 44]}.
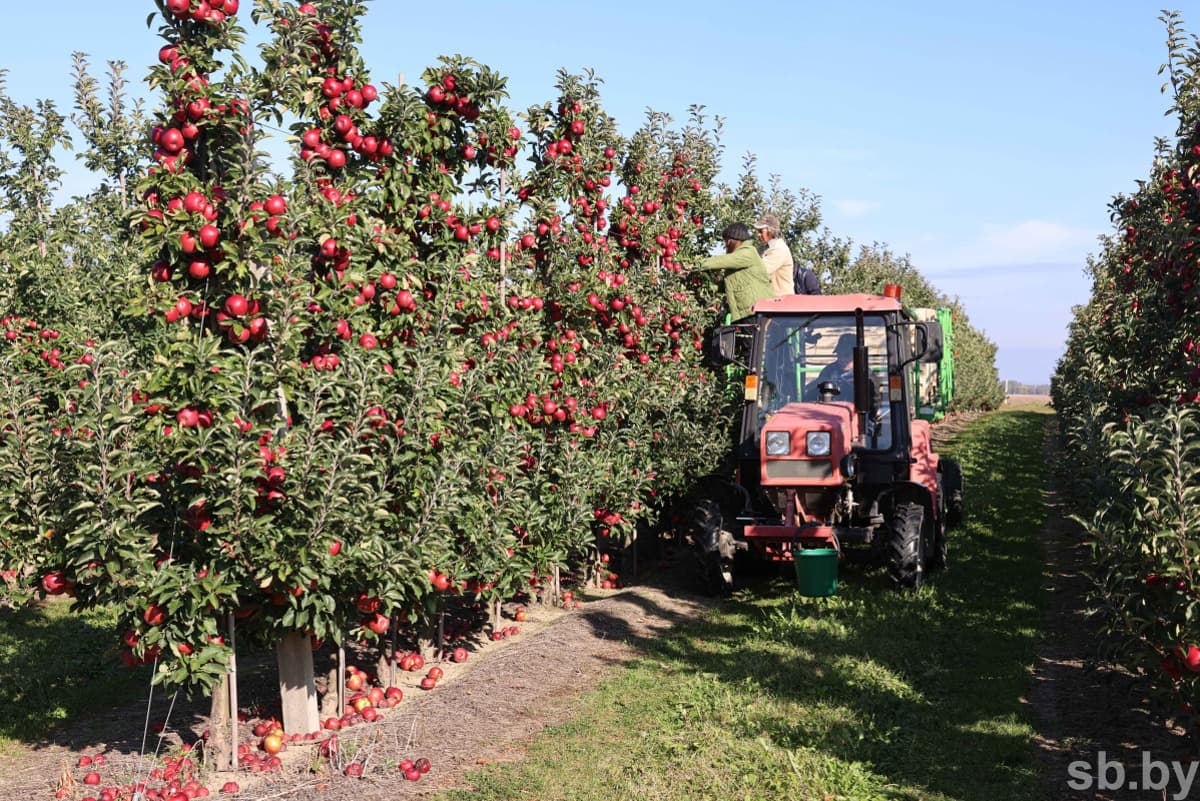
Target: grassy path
{"type": "Point", "coordinates": [867, 695]}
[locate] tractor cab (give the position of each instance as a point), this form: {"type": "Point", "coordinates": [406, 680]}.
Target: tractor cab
{"type": "Point", "coordinates": [831, 451]}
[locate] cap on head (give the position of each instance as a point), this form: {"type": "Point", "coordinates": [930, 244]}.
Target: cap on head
{"type": "Point", "coordinates": [738, 231]}
{"type": "Point", "coordinates": [769, 221]}
{"type": "Point", "coordinates": [845, 344]}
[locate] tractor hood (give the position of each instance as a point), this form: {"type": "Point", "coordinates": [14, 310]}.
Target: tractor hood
{"type": "Point", "coordinates": [804, 444]}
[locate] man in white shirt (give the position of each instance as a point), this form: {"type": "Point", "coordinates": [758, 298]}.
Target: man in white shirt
{"type": "Point", "coordinates": [777, 257]}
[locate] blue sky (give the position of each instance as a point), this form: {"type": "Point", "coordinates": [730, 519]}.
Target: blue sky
{"type": "Point", "coordinates": [985, 140]}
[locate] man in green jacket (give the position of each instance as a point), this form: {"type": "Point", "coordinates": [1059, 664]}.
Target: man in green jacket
{"type": "Point", "coordinates": [745, 275]}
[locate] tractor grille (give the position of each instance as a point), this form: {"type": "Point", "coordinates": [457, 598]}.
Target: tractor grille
{"type": "Point", "coordinates": [800, 468]}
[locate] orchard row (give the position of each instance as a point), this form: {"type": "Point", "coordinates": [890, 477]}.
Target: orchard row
{"type": "Point", "coordinates": [1127, 391]}
{"type": "Point", "coordinates": [441, 352]}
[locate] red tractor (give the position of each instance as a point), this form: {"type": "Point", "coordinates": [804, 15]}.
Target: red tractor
{"type": "Point", "coordinates": [830, 451]}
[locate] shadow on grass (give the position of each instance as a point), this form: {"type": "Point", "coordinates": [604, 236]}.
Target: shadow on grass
{"type": "Point", "coordinates": [924, 689]}
{"type": "Point", "coordinates": [61, 683]}
{"type": "Point", "coordinates": [55, 665]}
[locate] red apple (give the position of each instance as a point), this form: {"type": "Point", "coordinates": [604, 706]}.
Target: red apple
{"type": "Point", "coordinates": [236, 305]}
{"type": "Point", "coordinates": [172, 140]}
{"type": "Point", "coordinates": [154, 615]}
{"type": "Point", "coordinates": [56, 583]}
{"type": "Point", "coordinates": [1192, 659]}
{"type": "Point", "coordinates": [209, 236]}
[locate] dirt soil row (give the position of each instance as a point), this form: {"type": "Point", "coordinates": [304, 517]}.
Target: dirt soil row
{"type": "Point", "coordinates": [1084, 707]}
{"type": "Point", "coordinates": [482, 711]}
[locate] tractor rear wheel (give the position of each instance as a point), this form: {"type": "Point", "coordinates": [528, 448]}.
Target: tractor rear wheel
{"type": "Point", "coordinates": [952, 485]}
{"type": "Point", "coordinates": [906, 546]}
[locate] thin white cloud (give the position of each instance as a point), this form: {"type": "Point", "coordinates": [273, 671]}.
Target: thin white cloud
{"type": "Point", "coordinates": [1035, 240]}
{"type": "Point", "coordinates": [1018, 271]}
{"type": "Point", "coordinates": [854, 208]}
{"type": "Point", "coordinates": [1029, 242]}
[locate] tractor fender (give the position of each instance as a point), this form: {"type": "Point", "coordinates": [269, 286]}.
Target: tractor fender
{"type": "Point", "coordinates": [925, 461]}
{"type": "Point", "coordinates": [910, 492]}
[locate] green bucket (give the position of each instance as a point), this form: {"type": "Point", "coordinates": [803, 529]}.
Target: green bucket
{"type": "Point", "coordinates": [816, 571]}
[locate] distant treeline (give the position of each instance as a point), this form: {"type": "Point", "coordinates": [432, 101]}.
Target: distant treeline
{"type": "Point", "coordinates": [1017, 388]}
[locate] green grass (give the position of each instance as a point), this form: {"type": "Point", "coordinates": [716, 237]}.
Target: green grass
{"type": "Point", "coordinates": [867, 695]}
{"type": "Point", "coordinates": [56, 664]}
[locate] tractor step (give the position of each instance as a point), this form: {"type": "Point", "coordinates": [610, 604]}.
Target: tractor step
{"type": "Point", "coordinates": [855, 535]}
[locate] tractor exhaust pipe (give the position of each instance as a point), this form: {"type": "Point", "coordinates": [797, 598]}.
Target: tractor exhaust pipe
{"type": "Point", "coordinates": [862, 381]}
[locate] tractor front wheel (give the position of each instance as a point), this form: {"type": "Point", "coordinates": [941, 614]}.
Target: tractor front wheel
{"type": "Point", "coordinates": [713, 546]}
{"type": "Point", "coordinates": [906, 546]}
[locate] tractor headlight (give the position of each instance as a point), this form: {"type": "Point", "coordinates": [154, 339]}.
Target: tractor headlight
{"type": "Point", "coordinates": [816, 443]}
{"type": "Point", "coordinates": [779, 443]}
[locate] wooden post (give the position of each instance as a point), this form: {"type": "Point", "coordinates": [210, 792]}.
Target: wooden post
{"type": "Point", "coordinates": [392, 659]}
{"type": "Point", "coordinates": [441, 635]}
{"type": "Point", "coordinates": [330, 704]}
{"type": "Point", "coordinates": [217, 749]}
{"type": "Point", "coordinates": [297, 684]}
{"type": "Point", "coordinates": [384, 664]}
{"type": "Point", "coordinates": [233, 694]}
{"type": "Point", "coordinates": [557, 587]}
{"type": "Point", "coordinates": [425, 644]}
{"type": "Point", "coordinates": [341, 680]}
